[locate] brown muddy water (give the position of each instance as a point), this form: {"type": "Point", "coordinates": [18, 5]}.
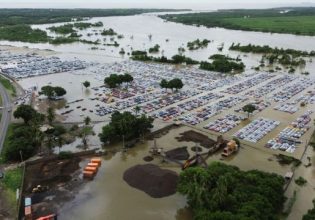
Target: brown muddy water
{"type": "Point", "coordinates": [108, 196]}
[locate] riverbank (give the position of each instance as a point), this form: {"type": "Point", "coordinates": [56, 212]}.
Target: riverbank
{"type": "Point", "coordinates": [297, 21]}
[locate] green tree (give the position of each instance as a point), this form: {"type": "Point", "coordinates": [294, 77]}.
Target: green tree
{"type": "Point", "coordinates": [137, 109]}
{"type": "Point", "coordinates": [51, 115]}
{"type": "Point", "coordinates": [249, 108]}
{"type": "Point", "coordinates": [175, 84]}
{"type": "Point", "coordinates": [26, 112]}
{"type": "Point", "coordinates": [164, 84]}
{"type": "Point", "coordinates": [86, 84]}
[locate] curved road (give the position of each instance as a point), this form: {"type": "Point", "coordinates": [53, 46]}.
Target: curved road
{"type": "Point", "coordinates": [6, 115]}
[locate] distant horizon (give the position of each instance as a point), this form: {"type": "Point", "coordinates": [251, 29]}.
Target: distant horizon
{"type": "Point", "coordinates": [145, 4]}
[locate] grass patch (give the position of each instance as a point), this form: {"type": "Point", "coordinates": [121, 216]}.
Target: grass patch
{"type": "Point", "coordinates": [12, 179]}
{"type": "Point", "coordinates": [8, 86]}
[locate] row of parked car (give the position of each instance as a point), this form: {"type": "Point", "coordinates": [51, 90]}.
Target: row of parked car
{"type": "Point", "coordinates": [225, 123]}
{"type": "Point", "coordinates": [257, 129]}
{"type": "Point", "coordinates": [288, 138]}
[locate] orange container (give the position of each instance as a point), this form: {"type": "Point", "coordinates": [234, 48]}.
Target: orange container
{"type": "Point", "coordinates": [93, 165]}
{"type": "Point", "coordinates": [91, 169]}
{"type": "Point", "coordinates": [96, 160]}
{"type": "Point", "coordinates": [88, 174]}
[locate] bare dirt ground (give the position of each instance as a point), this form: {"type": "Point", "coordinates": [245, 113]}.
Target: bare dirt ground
{"type": "Point", "coordinates": [60, 177]}
{"type": "Point", "coordinates": [194, 136]}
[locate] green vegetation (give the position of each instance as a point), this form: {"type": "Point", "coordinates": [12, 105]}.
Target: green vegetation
{"type": "Point", "coordinates": [250, 48]}
{"type": "Point", "coordinates": [249, 108]}
{"type": "Point", "coordinates": [45, 16]}
{"type": "Point", "coordinates": [8, 86]}
{"type": "Point", "coordinates": [109, 32]}
{"type": "Point", "coordinates": [15, 23]}
{"type": "Point", "coordinates": [287, 160]}
{"type": "Point", "coordinates": [172, 84]}
{"type": "Point", "coordinates": [197, 44]}
{"type": "Point", "coordinates": [63, 29]}
{"type": "Point", "coordinates": [299, 21]}
{"type": "Point", "coordinates": [23, 33]}
{"type": "Point", "coordinates": [13, 179]}
{"type": "Point", "coordinates": [176, 59]}
{"type": "Point", "coordinates": [86, 84]}
{"type": "Point", "coordinates": [125, 126]}
{"type": "Point", "coordinates": [115, 80]}
{"type": "Point", "coordinates": [154, 49]}
{"type": "Point", "coordinates": [300, 181]}
{"type": "Point", "coordinates": [52, 92]}
{"type": "Point", "coordinates": [225, 192]}
{"type": "Point", "coordinates": [23, 140]}
{"type": "Point", "coordinates": [222, 64]}
{"type": "Point", "coordinates": [70, 28]}
{"type": "Point", "coordinates": [310, 215]}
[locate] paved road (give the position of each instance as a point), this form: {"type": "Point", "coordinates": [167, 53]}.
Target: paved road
{"type": "Point", "coordinates": [6, 115]}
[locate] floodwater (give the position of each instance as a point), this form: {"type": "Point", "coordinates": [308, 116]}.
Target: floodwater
{"type": "Point", "coordinates": [136, 30]}
{"type": "Point", "coordinates": [108, 196]}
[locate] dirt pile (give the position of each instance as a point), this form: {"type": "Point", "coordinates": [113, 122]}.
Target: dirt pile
{"type": "Point", "coordinates": [151, 179]}
{"type": "Point", "coordinates": [196, 137]}
{"type": "Point", "coordinates": [180, 153]}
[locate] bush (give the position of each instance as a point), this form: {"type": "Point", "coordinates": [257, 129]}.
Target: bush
{"type": "Point", "coordinates": [300, 181]}
{"type": "Point", "coordinates": [65, 155]}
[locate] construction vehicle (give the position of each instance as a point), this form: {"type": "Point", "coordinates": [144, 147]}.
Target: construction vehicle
{"type": "Point", "coordinates": [230, 148]}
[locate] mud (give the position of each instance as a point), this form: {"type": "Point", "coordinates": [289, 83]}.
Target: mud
{"type": "Point", "coordinates": [151, 179]}
{"type": "Point", "coordinates": [193, 136]}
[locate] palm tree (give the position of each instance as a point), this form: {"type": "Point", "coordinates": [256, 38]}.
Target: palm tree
{"type": "Point", "coordinates": [137, 109]}
{"type": "Point", "coordinates": [51, 115]}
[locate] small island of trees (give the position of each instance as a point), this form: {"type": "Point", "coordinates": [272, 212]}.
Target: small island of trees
{"type": "Point", "coordinates": [223, 64]}
{"type": "Point", "coordinates": [115, 80]}
{"type": "Point", "coordinates": [172, 84]}
{"type": "Point", "coordinates": [197, 44]}
{"type": "Point", "coordinates": [53, 92]}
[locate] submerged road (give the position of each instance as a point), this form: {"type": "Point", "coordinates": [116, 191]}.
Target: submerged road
{"type": "Point", "coordinates": [6, 115]}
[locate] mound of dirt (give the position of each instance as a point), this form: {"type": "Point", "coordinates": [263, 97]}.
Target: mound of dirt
{"type": "Point", "coordinates": [196, 137]}
{"type": "Point", "coordinates": [148, 158]}
{"type": "Point", "coordinates": [151, 179]}
{"type": "Point", "coordinates": [180, 153]}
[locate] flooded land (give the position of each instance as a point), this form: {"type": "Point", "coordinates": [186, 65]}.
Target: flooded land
{"type": "Point", "coordinates": [209, 105]}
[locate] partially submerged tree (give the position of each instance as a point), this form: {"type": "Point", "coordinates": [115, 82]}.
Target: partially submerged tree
{"type": "Point", "coordinates": [52, 92]}
{"type": "Point", "coordinates": [86, 84]}
{"type": "Point", "coordinates": [249, 108]}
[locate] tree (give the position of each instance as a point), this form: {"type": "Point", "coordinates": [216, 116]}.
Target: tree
{"type": "Point", "coordinates": [59, 91]}
{"type": "Point", "coordinates": [86, 84]}
{"type": "Point", "coordinates": [48, 91]}
{"type": "Point", "coordinates": [176, 84]}
{"type": "Point", "coordinates": [164, 84]}
{"type": "Point", "coordinates": [249, 108]}
{"type": "Point", "coordinates": [127, 78]}
{"type": "Point", "coordinates": [87, 120]}
{"type": "Point", "coordinates": [51, 115]}
{"type": "Point", "coordinates": [225, 192]}
{"type": "Point", "coordinates": [26, 112]}
{"type": "Point", "coordinates": [137, 109]}
{"type": "Point", "coordinates": [125, 125]}
{"type": "Point", "coordinates": [51, 92]}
